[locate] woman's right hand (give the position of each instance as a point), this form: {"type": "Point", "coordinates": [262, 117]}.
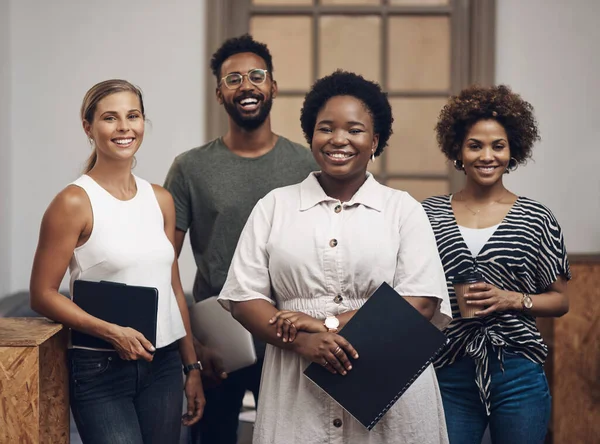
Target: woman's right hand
{"type": "Point", "coordinates": [130, 344]}
{"type": "Point", "coordinates": [289, 323]}
{"type": "Point", "coordinates": [327, 349]}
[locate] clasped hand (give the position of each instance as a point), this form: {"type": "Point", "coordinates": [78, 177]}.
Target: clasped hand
{"type": "Point", "coordinates": [492, 299]}
{"type": "Point", "coordinates": [289, 323]}
{"type": "Point", "coordinates": [327, 349]}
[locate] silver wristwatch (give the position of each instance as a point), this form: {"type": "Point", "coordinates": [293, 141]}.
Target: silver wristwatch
{"type": "Point", "coordinates": [332, 323]}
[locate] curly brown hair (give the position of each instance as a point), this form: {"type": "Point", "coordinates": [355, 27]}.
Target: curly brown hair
{"type": "Point", "coordinates": [477, 103]}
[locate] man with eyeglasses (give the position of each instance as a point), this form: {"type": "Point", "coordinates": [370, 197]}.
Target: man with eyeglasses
{"type": "Point", "coordinates": [215, 187]}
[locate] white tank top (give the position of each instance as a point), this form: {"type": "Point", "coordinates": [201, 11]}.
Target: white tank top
{"type": "Point", "coordinates": [476, 238]}
{"type": "Point", "coordinates": [128, 244]}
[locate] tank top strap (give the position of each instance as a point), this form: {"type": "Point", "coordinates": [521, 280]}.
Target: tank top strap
{"type": "Point", "coordinates": [147, 196]}
{"type": "Point", "coordinates": [144, 188]}
{"type": "Point", "coordinates": [94, 191]}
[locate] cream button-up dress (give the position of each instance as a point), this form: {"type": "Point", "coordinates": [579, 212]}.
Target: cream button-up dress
{"type": "Point", "coordinates": [305, 251]}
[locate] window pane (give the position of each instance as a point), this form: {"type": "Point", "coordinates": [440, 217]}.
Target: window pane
{"type": "Point", "coordinates": [350, 43]}
{"type": "Point", "coordinates": [419, 2]}
{"type": "Point", "coordinates": [419, 53]}
{"type": "Point", "coordinates": [285, 118]}
{"type": "Point", "coordinates": [420, 189]}
{"type": "Point", "coordinates": [292, 55]}
{"type": "Point", "coordinates": [350, 2]}
{"type": "Point", "coordinates": [412, 147]}
{"type": "Point", "coordinates": [283, 2]}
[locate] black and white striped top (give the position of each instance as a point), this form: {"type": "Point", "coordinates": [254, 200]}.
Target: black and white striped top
{"type": "Point", "coordinates": [525, 254]}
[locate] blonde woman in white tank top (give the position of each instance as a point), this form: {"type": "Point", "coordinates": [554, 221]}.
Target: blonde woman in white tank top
{"type": "Point", "coordinates": [111, 225]}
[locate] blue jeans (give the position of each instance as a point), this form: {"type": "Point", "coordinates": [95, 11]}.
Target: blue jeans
{"type": "Point", "coordinates": [219, 424]}
{"type": "Point", "coordinates": [520, 401]}
{"type": "Point", "coordinates": [126, 402]}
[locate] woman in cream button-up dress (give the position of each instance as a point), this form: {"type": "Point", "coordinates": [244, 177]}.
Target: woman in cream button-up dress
{"type": "Point", "coordinates": [320, 249]}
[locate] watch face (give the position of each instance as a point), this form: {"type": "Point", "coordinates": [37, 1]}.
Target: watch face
{"type": "Point", "coordinates": [527, 302]}
{"type": "Point", "coordinates": [332, 322]}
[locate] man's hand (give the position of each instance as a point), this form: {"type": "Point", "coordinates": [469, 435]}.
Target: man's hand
{"type": "Point", "coordinates": [213, 372]}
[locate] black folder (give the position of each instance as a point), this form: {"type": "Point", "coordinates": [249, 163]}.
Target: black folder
{"type": "Point", "coordinates": [124, 305]}
{"type": "Point", "coordinates": [395, 344]}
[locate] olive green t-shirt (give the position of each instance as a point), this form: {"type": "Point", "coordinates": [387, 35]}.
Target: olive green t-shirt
{"type": "Point", "coordinates": [214, 192]}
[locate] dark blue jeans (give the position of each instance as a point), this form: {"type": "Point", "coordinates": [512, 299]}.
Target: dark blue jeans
{"type": "Point", "coordinates": [126, 402]}
{"type": "Point", "coordinates": [219, 424]}
{"type": "Point", "coordinates": [520, 401]}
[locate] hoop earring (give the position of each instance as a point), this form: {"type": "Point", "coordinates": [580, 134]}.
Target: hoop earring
{"type": "Point", "coordinates": [458, 165]}
{"type": "Point", "coordinates": [512, 166]}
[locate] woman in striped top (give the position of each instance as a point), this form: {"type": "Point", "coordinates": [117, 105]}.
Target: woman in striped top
{"type": "Point", "coordinates": [490, 373]}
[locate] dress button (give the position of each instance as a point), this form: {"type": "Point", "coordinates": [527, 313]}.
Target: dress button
{"type": "Point", "coordinates": [338, 299]}
{"type": "Point", "coordinates": [337, 422]}
{"type": "Point", "coordinates": [333, 243]}
{"type": "Point", "coordinates": [337, 208]}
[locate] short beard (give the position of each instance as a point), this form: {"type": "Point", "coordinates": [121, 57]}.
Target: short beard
{"type": "Point", "coordinates": [249, 123]}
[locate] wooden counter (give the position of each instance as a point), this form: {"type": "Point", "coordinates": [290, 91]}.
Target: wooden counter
{"type": "Point", "coordinates": [573, 365]}
{"type": "Point", "coordinates": [34, 395]}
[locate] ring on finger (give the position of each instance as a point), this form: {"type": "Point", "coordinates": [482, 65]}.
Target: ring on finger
{"type": "Point", "coordinates": [337, 350]}
{"type": "Point", "coordinates": [288, 321]}
{"type": "Point", "coordinates": [325, 363]}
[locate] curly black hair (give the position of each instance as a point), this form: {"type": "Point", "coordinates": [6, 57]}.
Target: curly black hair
{"type": "Point", "coordinates": [343, 83]}
{"type": "Point", "coordinates": [477, 103]}
{"type": "Point", "coordinates": [237, 45]}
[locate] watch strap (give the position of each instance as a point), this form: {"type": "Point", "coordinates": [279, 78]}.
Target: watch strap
{"type": "Point", "coordinates": [193, 366]}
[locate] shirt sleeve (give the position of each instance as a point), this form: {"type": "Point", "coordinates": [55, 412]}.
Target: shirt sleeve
{"type": "Point", "coordinates": [552, 260]}
{"type": "Point", "coordinates": [419, 270]}
{"type": "Point", "coordinates": [176, 184]}
{"type": "Point", "coordinates": [248, 277]}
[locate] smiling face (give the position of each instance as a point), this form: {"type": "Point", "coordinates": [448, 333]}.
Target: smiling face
{"type": "Point", "coordinates": [117, 127]}
{"type": "Point", "coordinates": [343, 139]}
{"type": "Point", "coordinates": [248, 105]}
{"type": "Point", "coordinates": [485, 153]}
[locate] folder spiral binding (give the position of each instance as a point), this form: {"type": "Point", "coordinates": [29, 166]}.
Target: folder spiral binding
{"type": "Point", "coordinates": [396, 344]}
{"type": "Point", "coordinates": [406, 386]}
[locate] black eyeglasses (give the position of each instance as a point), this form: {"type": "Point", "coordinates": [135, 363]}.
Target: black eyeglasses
{"type": "Point", "coordinates": [256, 76]}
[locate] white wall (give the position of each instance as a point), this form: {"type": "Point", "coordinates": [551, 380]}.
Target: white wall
{"type": "Point", "coordinates": [5, 151]}
{"type": "Point", "coordinates": [61, 48]}
{"type": "Point", "coordinates": [549, 51]}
